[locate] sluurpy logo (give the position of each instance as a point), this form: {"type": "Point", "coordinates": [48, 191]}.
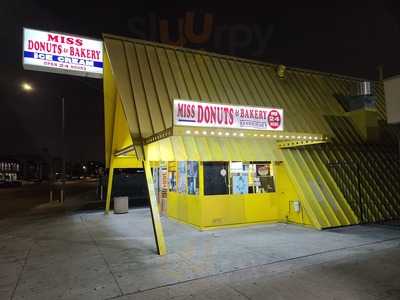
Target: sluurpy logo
{"type": "Point", "coordinates": [202, 31]}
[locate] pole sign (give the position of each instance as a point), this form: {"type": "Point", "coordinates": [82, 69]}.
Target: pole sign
{"type": "Point", "coordinates": [201, 114]}
{"type": "Point", "coordinates": [62, 53]}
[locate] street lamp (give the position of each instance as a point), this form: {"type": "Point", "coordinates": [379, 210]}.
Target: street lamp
{"type": "Point", "coordinates": [25, 86]}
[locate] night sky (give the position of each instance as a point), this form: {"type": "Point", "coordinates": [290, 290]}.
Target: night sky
{"type": "Point", "coordinates": [345, 37]}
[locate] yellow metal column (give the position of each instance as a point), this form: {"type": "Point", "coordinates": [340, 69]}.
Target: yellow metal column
{"type": "Point", "coordinates": [201, 192]}
{"type": "Point", "coordinates": [201, 179]}
{"type": "Point", "coordinates": [155, 215]}
{"type": "Point", "coordinates": [109, 185]}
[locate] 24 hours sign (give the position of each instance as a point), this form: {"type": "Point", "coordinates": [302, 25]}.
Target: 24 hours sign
{"type": "Point", "coordinates": [201, 114]}
{"type": "Point", "coordinates": [62, 53]}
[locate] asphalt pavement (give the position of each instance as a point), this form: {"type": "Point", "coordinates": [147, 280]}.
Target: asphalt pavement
{"type": "Point", "coordinates": [90, 255]}
{"type": "Point", "coordinates": [23, 200]}
{"type": "Point", "coordinates": [48, 251]}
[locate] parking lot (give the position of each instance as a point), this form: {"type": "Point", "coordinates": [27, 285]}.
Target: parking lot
{"type": "Point", "coordinates": [88, 255]}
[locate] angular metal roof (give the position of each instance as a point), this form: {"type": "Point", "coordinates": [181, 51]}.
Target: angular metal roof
{"type": "Point", "coordinates": [149, 76]}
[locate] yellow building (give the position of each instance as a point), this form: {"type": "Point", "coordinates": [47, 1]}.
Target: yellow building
{"type": "Point", "coordinates": [321, 165]}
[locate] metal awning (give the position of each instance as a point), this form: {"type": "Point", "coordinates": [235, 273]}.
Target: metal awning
{"type": "Point", "coordinates": [205, 144]}
{"type": "Point", "coordinates": [200, 148]}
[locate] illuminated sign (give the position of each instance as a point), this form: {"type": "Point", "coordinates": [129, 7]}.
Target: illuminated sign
{"type": "Point", "coordinates": [62, 53]}
{"type": "Point", "coordinates": [202, 114]}
{"type": "Point", "coordinates": [392, 99]}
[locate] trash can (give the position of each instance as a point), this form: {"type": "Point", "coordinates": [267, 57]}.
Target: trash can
{"type": "Point", "coordinates": [120, 205]}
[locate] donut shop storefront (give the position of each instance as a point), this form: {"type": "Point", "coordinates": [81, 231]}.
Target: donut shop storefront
{"type": "Point", "coordinates": [212, 153]}
{"type": "Point", "coordinates": [220, 167]}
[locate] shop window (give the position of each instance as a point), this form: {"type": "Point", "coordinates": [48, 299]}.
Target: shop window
{"type": "Point", "coordinates": [163, 181]}
{"type": "Point", "coordinates": [156, 177]}
{"type": "Point", "coordinates": [216, 178]}
{"type": "Point", "coordinates": [239, 178]}
{"type": "Point", "coordinates": [182, 176]}
{"type": "Point", "coordinates": [172, 176]}
{"type": "Point", "coordinates": [261, 178]}
{"type": "Point", "coordinates": [193, 177]}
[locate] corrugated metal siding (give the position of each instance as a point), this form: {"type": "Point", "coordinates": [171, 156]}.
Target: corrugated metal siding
{"type": "Point", "coordinates": [149, 76]}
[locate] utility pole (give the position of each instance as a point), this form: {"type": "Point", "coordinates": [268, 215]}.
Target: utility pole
{"type": "Point", "coordinates": [380, 72]}
{"type": "Point", "coordinates": [62, 191]}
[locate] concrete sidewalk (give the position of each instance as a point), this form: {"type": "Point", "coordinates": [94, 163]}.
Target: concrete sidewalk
{"type": "Point", "coordinates": [93, 256]}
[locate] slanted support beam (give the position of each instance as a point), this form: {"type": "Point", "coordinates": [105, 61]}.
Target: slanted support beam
{"type": "Point", "coordinates": [109, 185]}
{"type": "Point", "coordinates": [155, 215]}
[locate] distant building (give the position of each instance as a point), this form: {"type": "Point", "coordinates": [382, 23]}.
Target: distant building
{"type": "Point", "coordinates": [14, 169]}
{"type": "Point", "coordinates": [10, 171]}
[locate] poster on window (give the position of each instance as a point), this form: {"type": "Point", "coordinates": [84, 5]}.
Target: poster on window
{"type": "Point", "coordinates": [193, 171]}
{"type": "Point", "coordinates": [240, 184]}
{"type": "Point", "coordinates": [192, 190]}
{"type": "Point", "coordinates": [268, 184]}
{"type": "Point", "coordinates": [172, 181]}
{"type": "Point", "coordinates": [193, 168]}
{"type": "Point", "coordinates": [156, 180]}
{"type": "Point", "coordinates": [182, 177]}
{"type": "Point", "coordinates": [263, 170]}
{"type": "Point", "coordinates": [163, 182]}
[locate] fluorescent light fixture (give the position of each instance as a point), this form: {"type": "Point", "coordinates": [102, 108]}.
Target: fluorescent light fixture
{"type": "Point", "coordinates": [188, 131]}
{"type": "Point", "coordinates": [196, 132]}
{"type": "Point", "coordinates": [205, 132]}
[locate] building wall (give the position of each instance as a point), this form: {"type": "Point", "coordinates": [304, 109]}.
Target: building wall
{"type": "Point", "coordinates": [227, 210]}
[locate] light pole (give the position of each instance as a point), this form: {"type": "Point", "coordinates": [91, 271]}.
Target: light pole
{"type": "Point", "coordinates": [27, 87]}
{"type": "Point", "coordinates": [62, 196]}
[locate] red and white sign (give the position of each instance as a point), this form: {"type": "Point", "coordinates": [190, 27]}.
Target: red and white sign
{"type": "Point", "coordinates": [201, 114]}
{"type": "Point", "coordinates": [62, 53]}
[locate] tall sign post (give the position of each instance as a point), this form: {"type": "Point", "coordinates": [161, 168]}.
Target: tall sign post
{"type": "Point", "coordinates": [62, 53]}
